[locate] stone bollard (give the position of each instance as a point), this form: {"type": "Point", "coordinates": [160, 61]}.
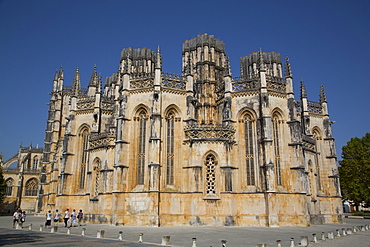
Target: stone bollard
{"type": "Point", "coordinates": [323, 236]}
{"type": "Point", "coordinates": [165, 240]}
{"type": "Point", "coordinates": [120, 235]}
{"type": "Point", "coordinates": [194, 242]}
{"type": "Point", "coordinates": [330, 235]}
{"type": "Point", "coordinates": [55, 228]}
{"type": "Point", "coordinates": [69, 230]}
{"type": "Point", "coordinates": [362, 228]}
{"type": "Point", "coordinates": [141, 237]}
{"type": "Point", "coordinates": [98, 234]}
{"type": "Point", "coordinates": [291, 242]}
{"type": "Point", "coordinates": [344, 232]}
{"type": "Point", "coordinates": [30, 227]}
{"type": "Point", "coordinates": [261, 245]}
{"type": "Point", "coordinates": [314, 238]}
{"type": "Point", "coordinates": [83, 232]}
{"type": "Point", "coordinates": [278, 243]}
{"type": "Point", "coordinates": [349, 231]}
{"type": "Point", "coordinates": [366, 227]}
{"type": "Point", "coordinates": [52, 229]}
{"type": "Point", "coordinates": [304, 241]}
{"type": "Point", "coordinates": [354, 230]}
{"type": "Point", "coordinates": [102, 233]}
{"type": "Point", "coordinates": [223, 243]}
{"type": "Point", "coordinates": [338, 233]}
{"type": "Point", "coordinates": [17, 226]}
{"type": "Point", "coordinates": [40, 228]}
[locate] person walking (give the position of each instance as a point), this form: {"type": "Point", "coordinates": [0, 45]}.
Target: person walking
{"type": "Point", "coordinates": [16, 217]}
{"type": "Point", "coordinates": [66, 217]}
{"type": "Point", "coordinates": [80, 217]}
{"type": "Point", "coordinates": [56, 217]}
{"type": "Point", "coordinates": [74, 217]}
{"type": "Point", "coordinates": [49, 215]}
{"type": "Point", "coordinates": [23, 218]}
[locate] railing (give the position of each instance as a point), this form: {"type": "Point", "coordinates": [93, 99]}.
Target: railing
{"type": "Point", "coordinates": [173, 81]}
{"type": "Point", "coordinates": [210, 132]}
{"type": "Point", "coordinates": [314, 107]}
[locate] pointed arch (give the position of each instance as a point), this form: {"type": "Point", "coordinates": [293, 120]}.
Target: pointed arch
{"type": "Point", "coordinates": [83, 146]}
{"type": "Point", "coordinates": [248, 140]}
{"type": "Point", "coordinates": [141, 119]}
{"type": "Point", "coordinates": [35, 162]}
{"type": "Point", "coordinates": [170, 146]}
{"type": "Point", "coordinates": [276, 137]}
{"type": "Point", "coordinates": [210, 163]}
{"type": "Point", "coordinates": [31, 186]}
{"type": "Point", "coordinates": [9, 186]}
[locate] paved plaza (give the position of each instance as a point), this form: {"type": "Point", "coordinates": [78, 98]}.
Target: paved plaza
{"type": "Point", "coordinates": [179, 236]}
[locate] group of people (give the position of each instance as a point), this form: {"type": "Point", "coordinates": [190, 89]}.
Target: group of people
{"type": "Point", "coordinates": [73, 219]}
{"type": "Point", "coordinates": [19, 217]}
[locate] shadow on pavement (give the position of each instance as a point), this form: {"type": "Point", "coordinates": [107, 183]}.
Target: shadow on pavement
{"type": "Point", "coordinates": [19, 238]}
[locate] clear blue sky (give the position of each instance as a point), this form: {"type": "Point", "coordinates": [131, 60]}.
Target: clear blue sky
{"type": "Point", "coordinates": [328, 43]}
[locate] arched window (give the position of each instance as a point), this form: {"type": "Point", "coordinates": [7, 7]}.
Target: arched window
{"type": "Point", "coordinates": [9, 187]}
{"type": "Point", "coordinates": [276, 142]}
{"type": "Point", "coordinates": [32, 186]}
{"type": "Point", "coordinates": [210, 164]}
{"type": "Point", "coordinates": [35, 163]}
{"type": "Point", "coordinates": [249, 149]}
{"type": "Point", "coordinates": [170, 119]}
{"type": "Point", "coordinates": [141, 149]}
{"type": "Point", "coordinates": [84, 144]}
{"type": "Point", "coordinates": [317, 136]}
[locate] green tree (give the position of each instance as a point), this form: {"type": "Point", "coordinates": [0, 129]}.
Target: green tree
{"type": "Point", "coordinates": [354, 170]}
{"type": "Point", "coordinates": [2, 185]}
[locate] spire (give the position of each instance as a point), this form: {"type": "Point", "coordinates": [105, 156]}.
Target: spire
{"type": "Point", "coordinates": [94, 78]}
{"type": "Point", "coordinates": [158, 64]}
{"type": "Point", "coordinates": [322, 94]}
{"type": "Point", "coordinates": [99, 84]}
{"type": "Point", "coordinates": [303, 90]}
{"type": "Point", "coordinates": [76, 84]}
{"type": "Point", "coordinates": [61, 73]}
{"type": "Point", "coordinates": [288, 69]}
{"type": "Point", "coordinates": [56, 75]}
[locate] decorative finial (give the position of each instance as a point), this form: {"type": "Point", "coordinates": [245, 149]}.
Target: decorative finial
{"type": "Point", "coordinates": [94, 78]}
{"type": "Point", "coordinates": [322, 94]}
{"type": "Point", "coordinates": [262, 63]}
{"type": "Point", "coordinates": [61, 72]}
{"type": "Point", "coordinates": [303, 90]}
{"type": "Point", "coordinates": [56, 75]}
{"type": "Point", "coordinates": [288, 70]}
{"type": "Point", "coordinates": [158, 49]}
{"type": "Point", "coordinates": [76, 82]}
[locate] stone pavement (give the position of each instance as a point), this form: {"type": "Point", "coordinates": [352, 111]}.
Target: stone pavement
{"type": "Point", "coordinates": [179, 236]}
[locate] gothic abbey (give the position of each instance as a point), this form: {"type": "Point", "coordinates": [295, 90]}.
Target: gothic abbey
{"type": "Point", "coordinates": [151, 148]}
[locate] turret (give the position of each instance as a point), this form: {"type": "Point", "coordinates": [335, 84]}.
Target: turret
{"type": "Point", "coordinates": [93, 84]}
{"type": "Point", "coordinates": [76, 84]}
{"type": "Point", "coordinates": [204, 59]}
{"type": "Point", "coordinates": [323, 101]}
{"type": "Point", "coordinates": [304, 110]}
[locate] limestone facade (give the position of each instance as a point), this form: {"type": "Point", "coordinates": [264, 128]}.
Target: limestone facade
{"type": "Point", "coordinates": [22, 174]}
{"type": "Point", "coordinates": [151, 148]}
